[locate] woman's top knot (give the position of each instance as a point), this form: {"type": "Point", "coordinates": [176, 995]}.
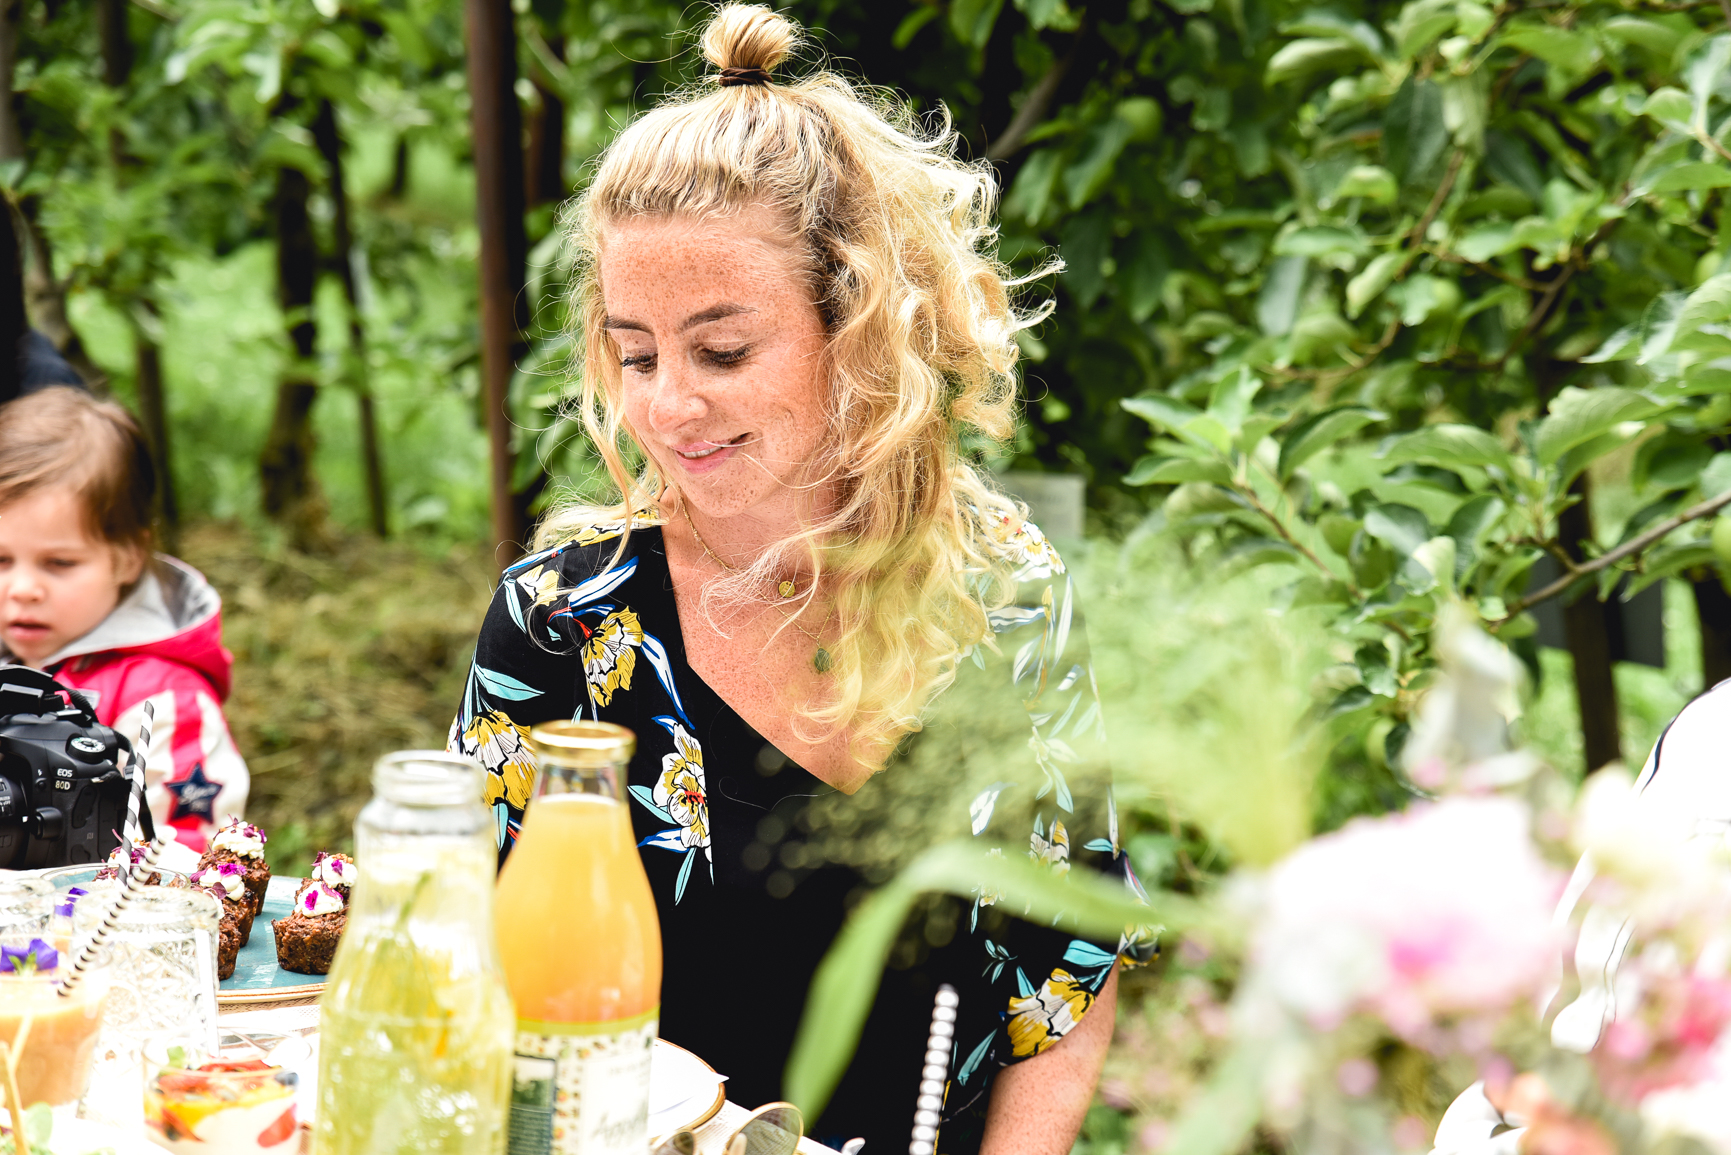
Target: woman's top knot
{"type": "Point", "coordinates": [733, 77]}
{"type": "Point", "coordinates": [745, 41]}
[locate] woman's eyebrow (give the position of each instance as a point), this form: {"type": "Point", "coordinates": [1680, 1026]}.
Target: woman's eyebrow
{"type": "Point", "coordinates": [619, 323]}
{"type": "Point", "coordinates": [714, 313]}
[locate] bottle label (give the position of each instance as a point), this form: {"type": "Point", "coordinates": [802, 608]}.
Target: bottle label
{"type": "Point", "coordinates": [582, 1088]}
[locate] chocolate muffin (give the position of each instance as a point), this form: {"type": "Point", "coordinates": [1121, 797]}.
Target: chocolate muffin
{"type": "Point", "coordinates": [229, 939]}
{"type": "Point", "coordinates": [227, 883]}
{"type": "Point", "coordinates": [128, 856]}
{"type": "Point", "coordinates": [307, 940]}
{"type": "Point", "coordinates": [241, 843]}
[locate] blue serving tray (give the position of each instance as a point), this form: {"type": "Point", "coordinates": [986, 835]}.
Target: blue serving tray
{"type": "Point", "coordinates": [257, 978]}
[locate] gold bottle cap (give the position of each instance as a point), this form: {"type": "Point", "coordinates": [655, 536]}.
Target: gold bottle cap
{"type": "Point", "coordinates": [582, 744]}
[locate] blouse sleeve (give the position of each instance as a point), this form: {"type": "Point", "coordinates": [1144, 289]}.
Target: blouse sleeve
{"type": "Point", "coordinates": [521, 676]}
{"type": "Point", "coordinates": [1053, 800]}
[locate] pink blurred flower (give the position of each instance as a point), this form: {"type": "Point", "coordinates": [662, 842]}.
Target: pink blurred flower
{"type": "Point", "coordinates": [1438, 912]}
{"type": "Point", "coordinates": [1666, 1040]}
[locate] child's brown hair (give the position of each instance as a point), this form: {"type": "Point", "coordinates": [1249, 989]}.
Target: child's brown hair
{"type": "Point", "coordinates": [64, 436]}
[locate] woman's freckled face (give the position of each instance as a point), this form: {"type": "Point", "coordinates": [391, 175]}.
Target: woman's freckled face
{"type": "Point", "coordinates": [721, 352]}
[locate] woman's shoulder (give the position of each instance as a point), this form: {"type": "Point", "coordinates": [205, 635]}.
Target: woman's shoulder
{"type": "Point", "coordinates": [584, 548]}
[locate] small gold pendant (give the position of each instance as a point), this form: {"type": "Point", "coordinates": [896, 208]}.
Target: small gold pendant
{"type": "Point", "coordinates": [787, 588]}
{"type": "Point", "coordinates": [820, 660]}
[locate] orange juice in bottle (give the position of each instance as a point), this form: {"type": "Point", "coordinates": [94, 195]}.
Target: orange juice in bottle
{"type": "Point", "coordinates": [582, 951]}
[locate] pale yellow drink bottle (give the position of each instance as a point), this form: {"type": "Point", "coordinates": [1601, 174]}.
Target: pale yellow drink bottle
{"type": "Point", "coordinates": [581, 947]}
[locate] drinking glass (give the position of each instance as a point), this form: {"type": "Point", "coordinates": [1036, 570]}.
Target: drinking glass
{"type": "Point", "coordinates": [246, 1110]}
{"type": "Point", "coordinates": [163, 951]}
{"type": "Point", "coordinates": [54, 1036]}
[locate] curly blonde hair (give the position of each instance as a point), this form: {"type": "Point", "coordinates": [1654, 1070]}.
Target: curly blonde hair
{"type": "Point", "coordinates": [899, 247]}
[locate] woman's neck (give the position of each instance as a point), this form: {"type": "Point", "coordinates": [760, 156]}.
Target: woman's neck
{"type": "Point", "coordinates": [736, 542]}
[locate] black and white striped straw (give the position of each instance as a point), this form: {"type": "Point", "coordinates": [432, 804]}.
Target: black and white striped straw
{"type": "Point", "coordinates": [134, 883]}
{"type": "Point", "coordinates": [928, 1110]}
{"type": "Point", "coordinates": [135, 796]}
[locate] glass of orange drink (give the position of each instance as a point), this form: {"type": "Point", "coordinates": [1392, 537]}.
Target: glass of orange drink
{"type": "Point", "coordinates": [53, 1035]}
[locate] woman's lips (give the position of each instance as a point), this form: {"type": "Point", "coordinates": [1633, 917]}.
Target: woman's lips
{"type": "Point", "coordinates": [27, 629]}
{"type": "Point", "coordinates": [703, 456]}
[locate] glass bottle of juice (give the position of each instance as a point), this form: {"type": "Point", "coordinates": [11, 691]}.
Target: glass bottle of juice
{"type": "Point", "coordinates": [415, 1027]}
{"type": "Point", "coordinates": [582, 951]}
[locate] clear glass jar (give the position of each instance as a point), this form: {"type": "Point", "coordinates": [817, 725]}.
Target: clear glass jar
{"type": "Point", "coordinates": [162, 967]}
{"type": "Point", "coordinates": [415, 1027]}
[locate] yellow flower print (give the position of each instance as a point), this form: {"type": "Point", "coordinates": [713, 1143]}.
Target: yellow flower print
{"type": "Point", "coordinates": [1054, 853]}
{"type": "Point", "coordinates": [1044, 1017]}
{"type": "Point", "coordinates": [542, 584]}
{"type": "Point", "coordinates": [1021, 543]}
{"type": "Point", "coordinates": [682, 792]}
{"type": "Point", "coordinates": [502, 747]}
{"type": "Point", "coordinates": [610, 657]}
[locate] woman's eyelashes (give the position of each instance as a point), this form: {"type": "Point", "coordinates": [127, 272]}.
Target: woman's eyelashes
{"type": "Point", "coordinates": [720, 358]}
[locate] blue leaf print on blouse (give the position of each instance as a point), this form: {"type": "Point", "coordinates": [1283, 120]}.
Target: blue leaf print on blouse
{"type": "Point", "coordinates": [504, 685]}
{"type": "Point", "coordinates": [646, 796]}
{"type": "Point", "coordinates": [601, 584]}
{"type": "Point", "coordinates": [665, 839]}
{"type": "Point", "coordinates": [1086, 954]}
{"type": "Point", "coordinates": [975, 1059]}
{"type": "Point", "coordinates": [657, 655]}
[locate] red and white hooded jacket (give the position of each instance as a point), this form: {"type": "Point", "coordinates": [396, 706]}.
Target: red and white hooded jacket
{"type": "Point", "coordinates": [163, 644]}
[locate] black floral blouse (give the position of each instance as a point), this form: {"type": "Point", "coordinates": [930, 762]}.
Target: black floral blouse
{"type": "Point", "coordinates": [740, 845]}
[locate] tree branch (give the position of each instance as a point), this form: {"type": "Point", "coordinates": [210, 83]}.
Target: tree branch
{"type": "Point", "coordinates": [1628, 549]}
{"type": "Point", "coordinates": [1249, 495]}
{"type": "Point", "coordinates": [1033, 109]}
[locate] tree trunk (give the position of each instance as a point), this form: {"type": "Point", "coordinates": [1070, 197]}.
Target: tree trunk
{"type": "Point", "coordinates": [1713, 608]}
{"type": "Point", "coordinates": [1587, 630]}
{"type": "Point", "coordinates": [330, 142]}
{"type": "Point", "coordinates": [400, 169]}
{"type": "Point", "coordinates": [546, 173]}
{"type": "Point", "coordinates": [45, 297]}
{"type": "Point", "coordinates": [496, 137]}
{"type": "Point", "coordinates": [153, 415]}
{"type": "Point", "coordinates": [291, 492]}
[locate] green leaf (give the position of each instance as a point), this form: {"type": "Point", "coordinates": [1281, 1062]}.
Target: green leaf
{"type": "Point", "coordinates": [911, 24]}
{"type": "Point", "coordinates": [1152, 470]}
{"type": "Point", "coordinates": [1088, 174]}
{"type": "Point", "coordinates": [1414, 133]}
{"type": "Point", "coordinates": [1161, 411]}
{"type": "Point", "coordinates": [1321, 430]}
{"type": "Point", "coordinates": [1032, 193]}
{"type": "Point", "coordinates": [1705, 69]}
{"type": "Point", "coordinates": [1687, 177]}
{"type": "Point", "coordinates": [1579, 415]}
{"type": "Point", "coordinates": [1421, 296]}
{"type": "Point", "coordinates": [1716, 478]}
{"type": "Point", "coordinates": [1219, 1119]}
{"type": "Point", "coordinates": [1400, 527]}
{"type": "Point", "coordinates": [1297, 59]}
{"type": "Point", "coordinates": [1574, 53]}
{"type": "Point", "coordinates": [1487, 241]}
{"type": "Point", "coordinates": [1277, 304]}
{"type": "Point", "coordinates": [1370, 181]}
{"type": "Point", "coordinates": [973, 20]}
{"type": "Point", "coordinates": [1421, 22]}
{"type": "Point", "coordinates": [1668, 559]}
{"type": "Point", "coordinates": [1229, 401]}
{"type": "Point", "coordinates": [1452, 446]}
{"type": "Point", "coordinates": [1670, 107]}
{"type": "Point", "coordinates": [1369, 284]}
{"type": "Point", "coordinates": [1657, 38]}
{"type": "Point", "coordinates": [1476, 517]}
{"type": "Point", "coordinates": [1321, 241]}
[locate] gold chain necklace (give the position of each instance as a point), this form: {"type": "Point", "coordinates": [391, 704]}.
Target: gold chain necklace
{"type": "Point", "coordinates": [786, 588]}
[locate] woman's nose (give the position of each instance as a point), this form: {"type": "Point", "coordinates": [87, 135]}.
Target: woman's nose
{"type": "Point", "coordinates": [23, 584]}
{"type": "Point", "coordinates": [675, 401]}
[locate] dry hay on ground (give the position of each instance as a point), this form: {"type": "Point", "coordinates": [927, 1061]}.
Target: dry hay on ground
{"type": "Point", "coordinates": [338, 658]}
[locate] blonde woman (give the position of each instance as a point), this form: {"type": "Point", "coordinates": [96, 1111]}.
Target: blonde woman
{"type": "Point", "coordinates": [792, 318]}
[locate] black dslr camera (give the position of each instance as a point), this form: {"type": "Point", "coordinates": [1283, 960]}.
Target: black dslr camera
{"type": "Point", "coordinates": [62, 793]}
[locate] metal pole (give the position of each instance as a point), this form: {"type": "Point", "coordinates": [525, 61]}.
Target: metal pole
{"type": "Point", "coordinates": [495, 123]}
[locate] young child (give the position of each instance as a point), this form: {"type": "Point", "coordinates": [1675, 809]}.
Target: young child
{"type": "Point", "coordinates": [83, 598]}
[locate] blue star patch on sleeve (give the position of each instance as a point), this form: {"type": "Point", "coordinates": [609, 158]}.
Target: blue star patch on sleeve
{"type": "Point", "coordinates": [194, 796]}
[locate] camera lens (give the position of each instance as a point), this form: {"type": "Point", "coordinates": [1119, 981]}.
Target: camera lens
{"type": "Point", "coordinates": [13, 833]}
